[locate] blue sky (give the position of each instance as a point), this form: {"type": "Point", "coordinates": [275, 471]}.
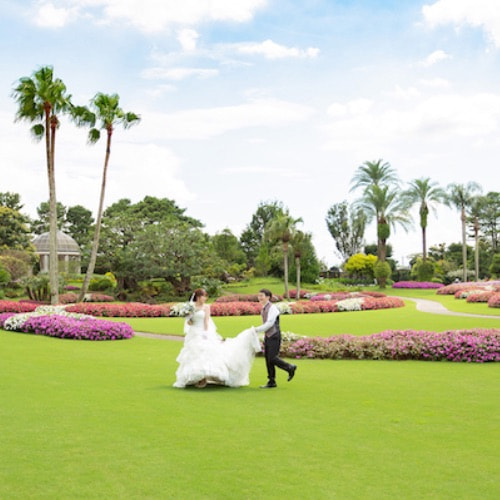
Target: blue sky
{"type": "Point", "coordinates": [244, 101]}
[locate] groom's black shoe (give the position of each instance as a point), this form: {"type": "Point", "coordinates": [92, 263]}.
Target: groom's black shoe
{"type": "Point", "coordinates": [291, 372]}
{"type": "Point", "coordinates": [269, 385]}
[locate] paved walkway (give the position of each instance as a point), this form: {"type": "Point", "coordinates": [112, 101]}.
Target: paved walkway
{"type": "Point", "coordinates": [423, 305]}
{"type": "Point", "coordinates": [433, 307]}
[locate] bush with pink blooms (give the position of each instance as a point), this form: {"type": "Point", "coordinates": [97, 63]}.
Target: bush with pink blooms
{"type": "Point", "coordinates": [417, 284]}
{"type": "Point", "coordinates": [17, 307]}
{"type": "Point", "coordinates": [128, 310]}
{"type": "Point", "coordinates": [240, 297]}
{"type": "Point", "coordinates": [479, 297]}
{"type": "Point", "coordinates": [494, 301]}
{"type": "Point", "coordinates": [475, 345]}
{"type": "Point", "coordinates": [303, 294]}
{"type": "Point", "coordinates": [491, 286]}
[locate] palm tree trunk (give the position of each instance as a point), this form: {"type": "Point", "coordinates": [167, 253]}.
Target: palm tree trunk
{"type": "Point", "coordinates": [476, 249]}
{"type": "Point", "coordinates": [297, 267]}
{"type": "Point", "coordinates": [424, 244]}
{"type": "Point", "coordinates": [285, 268]}
{"type": "Point", "coordinates": [53, 260]}
{"type": "Point", "coordinates": [464, 247]}
{"type": "Point", "coordinates": [95, 243]}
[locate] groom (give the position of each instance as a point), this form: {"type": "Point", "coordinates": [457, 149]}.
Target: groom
{"type": "Point", "coordinates": [272, 339]}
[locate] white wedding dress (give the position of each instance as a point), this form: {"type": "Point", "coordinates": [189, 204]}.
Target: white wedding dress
{"type": "Point", "coordinates": [205, 355]}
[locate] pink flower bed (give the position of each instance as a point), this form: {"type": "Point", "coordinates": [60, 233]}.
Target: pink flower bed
{"type": "Point", "coordinates": [494, 301]}
{"type": "Point", "coordinates": [475, 345]}
{"type": "Point", "coordinates": [479, 297]}
{"type": "Point", "coordinates": [128, 310]}
{"type": "Point", "coordinates": [235, 308]}
{"type": "Point", "coordinates": [73, 328]}
{"type": "Point", "coordinates": [17, 307]}
{"type": "Point", "coordinates": [293, 293]}
{"type": "Point", "coordinates": [345, 295]}
{"type": "Point", "coordinates": [457, 287]}
{"type": "Point", "coordinates": [417, 284]}
{"type": "Point", "coordinates": [237, 297]}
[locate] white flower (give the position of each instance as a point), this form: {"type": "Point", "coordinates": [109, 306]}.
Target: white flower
{"type": "Point", "coordinates": [350, 304]}
{"type": "Point", "coordinates": [17, 321]}
{"type": "Point", "coordinates": [284, 307]}
{"type": "Point", "coordinates": [182, 309]}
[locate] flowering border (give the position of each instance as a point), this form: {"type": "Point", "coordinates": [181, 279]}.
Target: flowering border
{"type": "Point", "coordinates": [417, 284]}
{"type": "Point", "coordinates": [472, 346]}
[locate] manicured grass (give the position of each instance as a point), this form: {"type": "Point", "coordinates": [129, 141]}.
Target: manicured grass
{"type": "Point", "coordinates": [325, 324]}
{"type": "Point", "coordinates": [101, 420]}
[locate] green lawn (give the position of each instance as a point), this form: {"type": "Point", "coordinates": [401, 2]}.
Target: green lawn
{"type": "Point", "coordinates": [101, 420]}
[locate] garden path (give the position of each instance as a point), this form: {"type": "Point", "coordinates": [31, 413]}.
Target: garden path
{"type": "Point", "coordinates": [433, 307]}
{"type": "Point", "coordinates": [423, 305]}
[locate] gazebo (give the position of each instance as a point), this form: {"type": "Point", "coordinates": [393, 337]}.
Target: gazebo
{"type": "Point", "coordinates": [68, 252]}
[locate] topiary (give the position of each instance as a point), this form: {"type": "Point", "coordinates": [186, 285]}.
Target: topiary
{"type": "Point", "coordinates": [382, 271]}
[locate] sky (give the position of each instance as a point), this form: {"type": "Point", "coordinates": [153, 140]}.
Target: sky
{"type": "Point", "coordinates": [250, 101]}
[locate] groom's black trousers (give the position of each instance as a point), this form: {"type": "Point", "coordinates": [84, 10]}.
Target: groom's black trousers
{"type": "Point", "coordinates": [271, 351]}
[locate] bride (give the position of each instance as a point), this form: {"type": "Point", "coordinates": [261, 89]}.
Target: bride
{"type": "Point", "coordinates": [206, 358]}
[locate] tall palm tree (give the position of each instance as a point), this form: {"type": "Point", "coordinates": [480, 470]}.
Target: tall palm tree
{"type": "Point", "coordinates": [282, 228]}
{"type": "Point", "coordinates": [460, 196]}
{"type": "Point", "coordinates": [376, 173]}
{"type": "Point", "coordinates": [474, 213]}
{"type": "Point", "coordinates": [300, 243]}
{"type": "Point", "coordinates": [427, 194]}
{"type": "Point", "coordinates": [389, 209]}
{"type": "Point", "coordinates": [42, 99]}
{"type": "Point", "coordinates": [107, 113]}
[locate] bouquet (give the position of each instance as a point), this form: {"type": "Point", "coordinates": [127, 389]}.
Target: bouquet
{"type": "Point", "coordinates": [182, 309]}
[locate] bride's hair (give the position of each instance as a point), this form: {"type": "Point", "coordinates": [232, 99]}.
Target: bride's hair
{"type": "Point", "coordinates": [199, 292]}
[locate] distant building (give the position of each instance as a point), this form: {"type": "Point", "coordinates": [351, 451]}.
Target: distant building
{"type": "Point", "coordinates": [68, 252]}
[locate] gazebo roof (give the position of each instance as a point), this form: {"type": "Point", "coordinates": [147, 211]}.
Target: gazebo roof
{"type": "Point", "coordinates": [66, 245]}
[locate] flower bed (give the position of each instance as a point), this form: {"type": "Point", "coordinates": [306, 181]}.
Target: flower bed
{"type": "Point", "coordinates": [473, 345]}
{"type": "Point", "coordinates": [493, 286]}
{"type": "Point", "coordinates": [479, 297]}
{"type": "Point", "coordinates": [494, 301]}
{"type": "Point", "coordinates": [303, 294]}
{"type": "Point", "coordinates": [17, 307]}
{"type": "Point", "coordinates": [464, 293]}
{"type": "Point", "coordinates": [128, 310]}
{"type": "Point", "coordinates": [345, 295]}
{"type": "Point", "coordinates": [55, 322]}
{"type": "Point", "coordinates": [417, 284]}
{"type": "Point", "coordinates": [237, 297]}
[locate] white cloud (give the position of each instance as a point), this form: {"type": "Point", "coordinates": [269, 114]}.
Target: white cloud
{"type": "Point", "coordinates": [275, 172]}
{"type": "Point", "coordinates": [178, 73]}
{"type": "Point", "coordinates": [435, 83]}
{"type": "Point", "coordinates": [404, 94]}
{"type": "Point", "coordinates": [354, 107]}
{"type": "Point", "coordinates": [435, 57]}
{"type": "Point", "coordinates": [483, 14]}
{"type": "Point", "coordinates": [50, 16]}
{"type": "Point", "coordinates": [188, 38]}
{"type": "Point", "coordinates": [210, 122]}
{"type": "Point", "coordinates": [441, 118]}
{"type": "Point", "coordinates": [273, 50]}
{"type": "Point", "coordinates": [152, 16]}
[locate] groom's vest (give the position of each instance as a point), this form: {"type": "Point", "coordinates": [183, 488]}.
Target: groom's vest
{"type": "Point", "coordinates": [276, 327]}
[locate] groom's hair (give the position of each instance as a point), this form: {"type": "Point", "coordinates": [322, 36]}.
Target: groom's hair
{"type": "Point", "coordinates": [266, 292]}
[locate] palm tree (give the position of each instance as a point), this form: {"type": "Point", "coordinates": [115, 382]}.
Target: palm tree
{"type": "Point", "coordinates": [389, 209]}
{"type": "Point", "coordinates": [475, 210]}
{"type": "Point", "coordinates": [108, 114]}
{"type": "Point", "coordinates": [460, 196]}
{"type": "Point", "coordinates": [300, 243]}
{"type": "Point", "coordinates": [374, 173]}
{"type": "Point", "coordinates": [426, 193]}
{"type": "Point", "coordinates": [282, 228]}
{"type": "Point", "coordinates": [41, 99]}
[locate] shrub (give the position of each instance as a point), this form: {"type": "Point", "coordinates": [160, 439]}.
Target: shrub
{"type": "Point", "coordinates": [423, 270]}
{"type": "Point", "coordinates": [245, 298]}
{"type": "Point", "coordinates": [481, 285]}
{"type": "Point", "coordinates": [17, 307]}
{"type": "Point", "coordinates": [303, 293]}
{"type": "Point", "coordinates": [494, 301]}
{"type": "Point", "coordinates": [129, 310]}
{"type": "Point", "coordinates": [480, 297]}
{"type": "Point", "coordinates": [382, 272]}
{"type": "Point", "coordinates": [417, 284]}
{"type": "Point", "coordinates": [495, 266]}
{"type": "Point", "coordinates": [473, 345]}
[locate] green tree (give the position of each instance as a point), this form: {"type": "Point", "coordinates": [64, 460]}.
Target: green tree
{"type": "Point", "coordinates": [489, 217]}
{"type": "Point", "coordinates": [42, 223]}
{"type": "Point", "coordinates": [252, 237]}
{"type": "Point", "coordinates": [282, 228]}
{"type": "Point", "coordinates": [360, 266]}
{"type": "Point", "coordinates": [388, 209]}
{"type": "Point", "coordinates": [108, 115]}
{"type": "Point", "coordinates": [306, 264]}
{"type": "Point", "coordinates": [460, 196]}
{"type": "Point", "coordinates": [11, 200]}
{"type": "Point", "coordinates": [427, 194]}
{"type": "Point", "coordinates": [14, 231]}
{"type": "Point", "coordinates": [79, 222]}
{"type": "Point", "coordinates": [374, 173]}
{"type": "Point", "coordinates": [41, 100]}
{"type": "Point", "coordinates": [347, 227]}
{"type": "Point", "coordinates": [228, 247]}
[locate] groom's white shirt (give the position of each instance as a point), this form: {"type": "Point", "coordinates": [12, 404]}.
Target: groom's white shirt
{"type": "Point", "coordinates": [272, 314]}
